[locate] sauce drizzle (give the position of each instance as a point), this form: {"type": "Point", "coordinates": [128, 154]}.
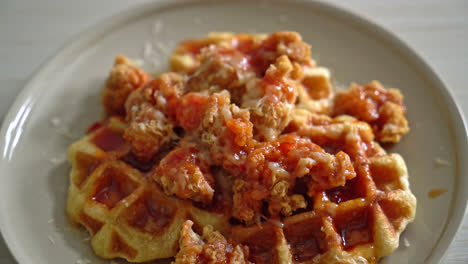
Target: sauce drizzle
{"type": "Point", "coordinates": [434, 193]}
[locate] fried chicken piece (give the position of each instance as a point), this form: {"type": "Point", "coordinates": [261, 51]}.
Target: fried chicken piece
{"type": "Point", "coordinates": [222, 69]}
{"type": "Point", "coordinates": [212, 248]}
{"type": "Point", "coordinates": [271, 100]}
{"type": "Point", "coordinates": [222, 127]}
{"type": "Point", "coordinates": [150, 113]}
{"type": "Point", "coordinates": [341, 133]}
{"type": "Point", "coordinates": [185, 173]}
{"type": "Point", "coordinates": [260, 50]}
{"type": "Point", "coordinates": [190, 245]}
{"type": "Point", "coordinates": [186, 57]}
{"type": "Point", "coordinates": [382, 108]}
{"type": "Point", "coordinates": [124, 78]}
{"type": "Point", "coordinates": [283, 204]}
{"type": "Point", "coordinates": [281, 43]}
{"type": "Point", "coordinates": [249, 198]}
{"type": "Point", "coordinates": [272, 170]}
{"type": "Point", "coordinates": [191, 111]}
{"type": "Point", "coordinates": [148, 131]}
{"type": "Point", "coordinates": [328, 171]}
{"type": "Point", "coordinates": [227, 131]}
{"type": "Point", "coordinates": [163, 93]}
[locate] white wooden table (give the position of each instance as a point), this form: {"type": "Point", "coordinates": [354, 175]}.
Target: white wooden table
{"type": "Point", "coordinates": [31, 31]}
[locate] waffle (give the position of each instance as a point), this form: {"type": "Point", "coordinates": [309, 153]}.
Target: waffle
{"type": "Point", "coordinates": [242, 154]}
{"type": "Point", "coordinates": [127, 214]}
{"type": "Point", "coordinates": [358, 223]}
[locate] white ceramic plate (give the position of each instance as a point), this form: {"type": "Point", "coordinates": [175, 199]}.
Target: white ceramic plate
{"type": "Point", "coordinates": [34, 173]}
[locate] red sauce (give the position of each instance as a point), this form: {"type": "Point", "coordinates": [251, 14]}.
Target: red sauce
{"type": "Point", "coordinates": [436, 192]}
{"type": "Point", "coordinates": [222, 197]}
{"type": "Point", "coordinates": [135, 163]}
{"type": "Point", "coordinates": [191, 110]}
{"type": "Point", "coordinates": [221, 202]}
{"type": "Point", "coordinates": [344, 193]}
{"type": "Point", "coordinates": [108, 139]}
{"type": "Point", "coordinates": [193, 46]}
{"type": "Point", "coordinates": [241, 131]}
{"type": "Point", "coordinates": [305, 238]}
{"type": "Point", "coordinates": [86, 165]}
{"type": "Point", "coordinates": [262, 246]}
{"type": "Point", "coordinates": [364, 102]}
{"type": "Point", "coordinates": [112, 188]}
{"type": "Point", "coordinates": [110, 194]}
{"type": "Point", "coordinates": [120, 246]}
{"type": "Point", "coordinates": [150, 215]}
{"type": "Point", "coordinates": [354, 228]}
{"type": "Point", "coordinates": [274, 84]}
{"type": "Point", "coordinates": [243, 43]}
{"type": "Point", "coordinates": [94, 127]}
{"type": "Point", "coordinates": [91, 224]}
{"type": "Point", "coordinates": [306, 249]}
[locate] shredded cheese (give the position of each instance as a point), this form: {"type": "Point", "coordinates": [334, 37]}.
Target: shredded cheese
{"type": "Point", "coordinates": [441, 162]}
{"type": "Point", "coordinates": [56, 121]}
{"type": "Point", "coordinates": [83, 261]}
{"type": "Point", "coordinates": [51, 239]}
{"type": "Point", "coordinates": [56, 160]}
{"type": "Point", "coordinates": [406, 243]}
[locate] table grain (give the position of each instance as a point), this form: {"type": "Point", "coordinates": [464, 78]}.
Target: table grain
{"type": "Point", "coordinates": [31, 31]}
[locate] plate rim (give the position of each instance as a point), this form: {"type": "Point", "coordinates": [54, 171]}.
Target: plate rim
{"type": "Point", "coordinates": [108, 23]}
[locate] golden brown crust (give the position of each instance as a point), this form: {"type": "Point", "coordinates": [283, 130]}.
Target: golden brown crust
{"type": "Point", "coordinates": [213, 248]}
{"type": "Point", "coordinates": [148, 131]}
{"type": "Point", "coordinates": [382, 108]}
{"type": "Point", "coordinates": [150, 112]}
{"type": "Point", "coordinates": [222, 128]}
{"type": "Point", "coordinates": [124, 78]}
{"type": "Point", "coordinates": [184, 174]}
{"type": "Point", "coordinates": [186, 57]}
{"type": "Point", "coordinates": [271, 99]}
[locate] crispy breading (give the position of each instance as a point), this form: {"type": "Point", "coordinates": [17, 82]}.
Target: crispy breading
{"type": "Point", "coordinates": [212, 248]}
{"type": "Point", "coordinates": [182, 172]}
{"type": "Point", "coordinates": [148, 131]}
{"type": "Point", "coordinates": [150, 112]}
{"type": "Point", "coordinates": [382, 108]}
{"type": "Point", "coordinates": [220, 126]}
{"type": "Point", "coordinates": [271, 100]}
{"type": "Point", "coordinates": [282, 43]}
{"type": "Point", "coordinates": [272, 170]}
{"type": "Point", "coordinates": [125, 77]}
{"type": "Point", "coordinates": [222, 69]}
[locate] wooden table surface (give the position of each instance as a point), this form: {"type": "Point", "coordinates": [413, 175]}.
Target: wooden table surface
{"type": "Point", "coordinates": [31, 31]}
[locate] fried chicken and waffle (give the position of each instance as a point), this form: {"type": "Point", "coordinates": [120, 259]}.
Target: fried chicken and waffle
{"type": "Point", "coordinates": [242, 154]}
